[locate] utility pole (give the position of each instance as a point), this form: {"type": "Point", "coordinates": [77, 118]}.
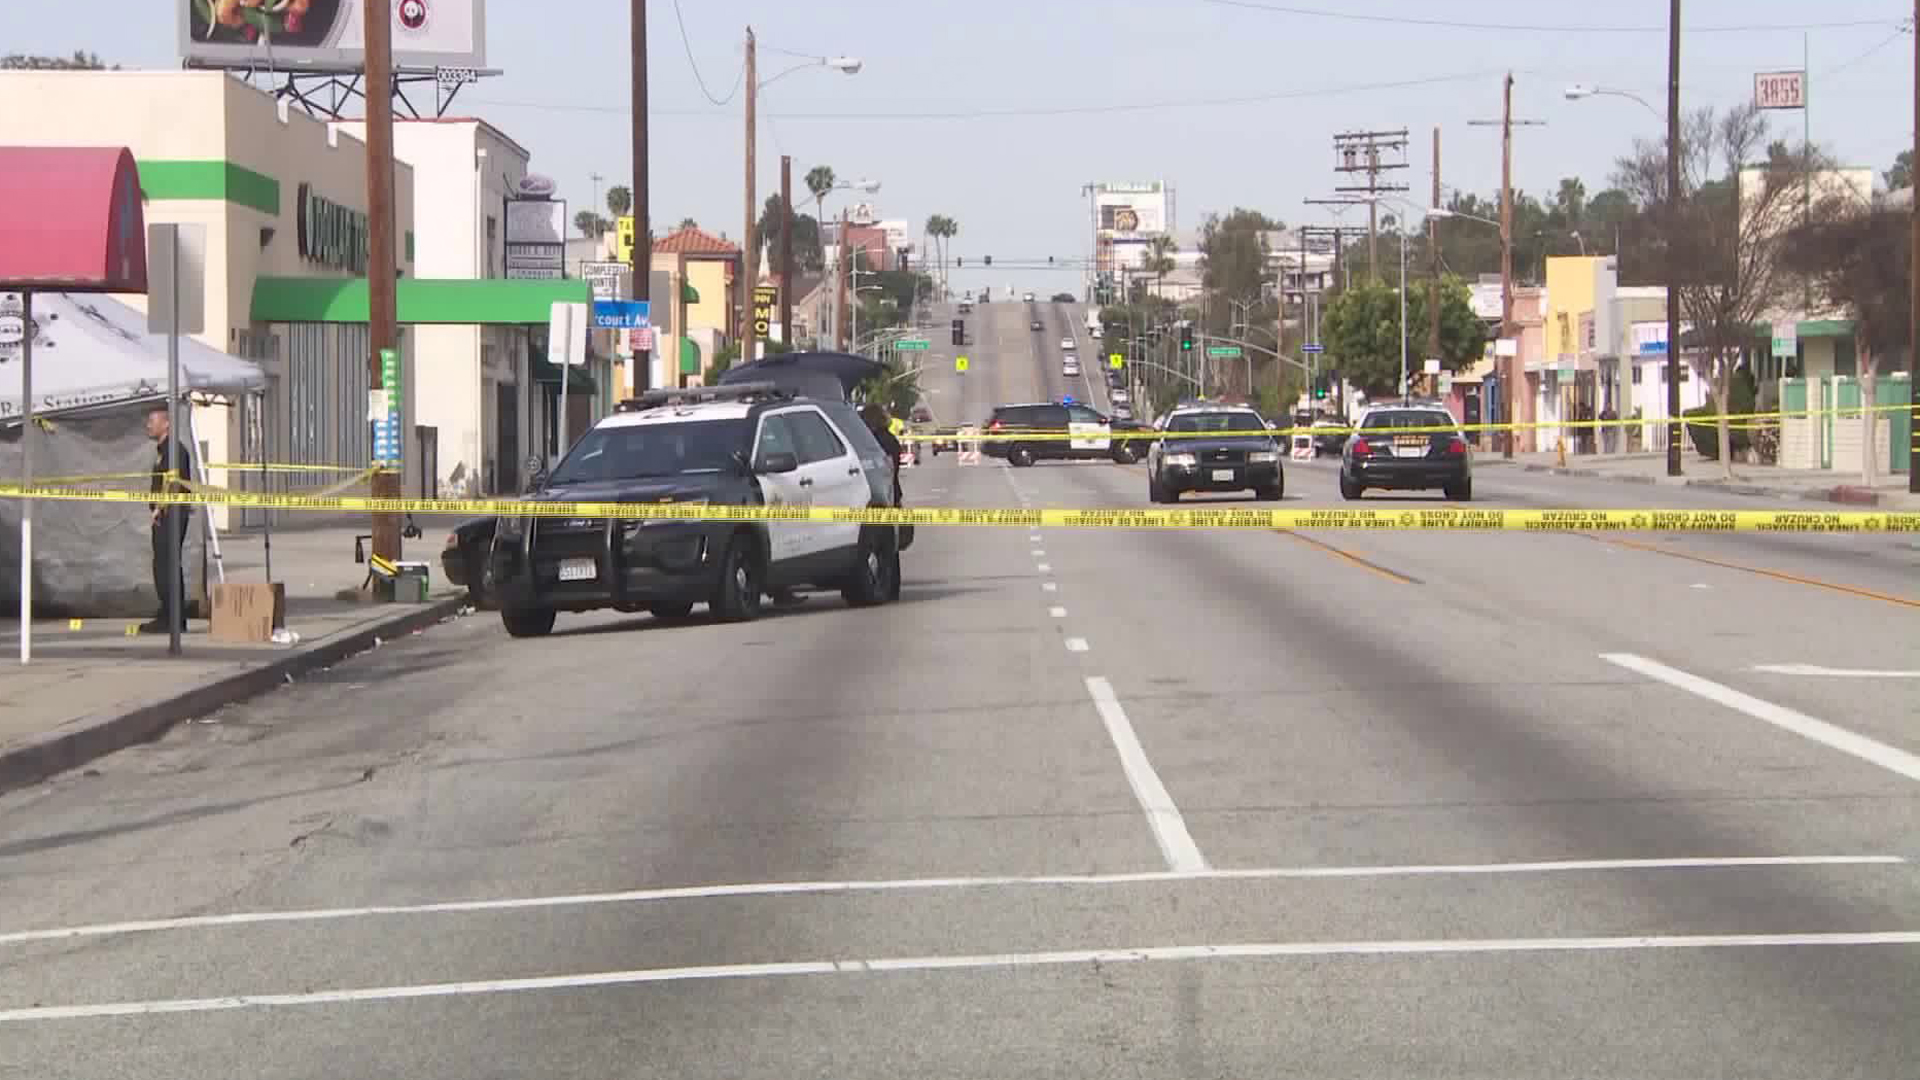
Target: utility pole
{"type": "Point", "coordinates": [1433, 252]}
{"type": "Point", "coordinates": [383, 332]}
{"type": "Point", "coordinates": [642, 220]}
{"type": "Point", "coordinates": [749, 250]}
{"type": "Point", "coordinates": [840, 271]}
{"type": "Point", "coordinates": [1673, 239]}
{"type": "Point", "coordinates": [1913, 280]}
{"type": "Point", "coordinates": [1371, 153]}
{"type": "Point", "coordinates": [1510, 379]}
{"type": "Point", "coordinates": [786, 250]}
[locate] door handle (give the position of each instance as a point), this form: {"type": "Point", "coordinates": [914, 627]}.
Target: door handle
{"type": "Point", "coordinates": [806, 481]}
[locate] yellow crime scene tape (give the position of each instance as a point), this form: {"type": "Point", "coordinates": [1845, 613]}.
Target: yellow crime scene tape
{"type": "Point", "coordinates": [1735, 421]}
{"type": "Point", "coordinates": [1445, 519]}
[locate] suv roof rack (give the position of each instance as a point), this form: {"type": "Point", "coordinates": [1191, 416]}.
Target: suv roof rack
{"type": "Point", "coordinates": [748, 391]}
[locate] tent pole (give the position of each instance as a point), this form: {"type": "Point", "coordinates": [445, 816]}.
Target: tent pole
{"type": "Point", "coordinates": [196, 465]}
{"type": "Point", "coordinates": [260, 450]}
{"type": "Point", "coordinates": [26, 478]}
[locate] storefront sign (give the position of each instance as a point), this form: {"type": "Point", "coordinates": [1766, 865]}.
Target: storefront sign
{"type": "Point", "coordinates": [332, 235]}
{"type": "Point", "coordinates": [13, 326]}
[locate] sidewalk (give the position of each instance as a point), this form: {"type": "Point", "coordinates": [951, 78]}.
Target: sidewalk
{"type": "Point", "coordinates": [93, 690]}
{"type": "Point", "coordinates": [1769, 481]}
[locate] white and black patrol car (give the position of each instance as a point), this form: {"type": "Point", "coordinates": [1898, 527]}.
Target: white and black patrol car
{"type": "Point", "coordinates": [748, 444]}
{"type": "Point", "coordinates": [1215, 448]}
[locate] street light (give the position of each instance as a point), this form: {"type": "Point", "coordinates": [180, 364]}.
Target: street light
{"type": "Point", "coordinates": [749, 257]}
{"type": "Point", "coordinates": [865, 187]}
{"type": "Point", "coordinates": [1582, 90]}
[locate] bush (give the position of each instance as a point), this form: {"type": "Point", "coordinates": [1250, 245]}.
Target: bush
{"type": "Point", "coordinates": [1742, 400]}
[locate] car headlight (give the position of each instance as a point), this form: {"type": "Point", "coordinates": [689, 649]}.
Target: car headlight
{"type": "Point", "coordinates": [1263, 457]}
{"type": "Point", "coordinates": [1182, 459]}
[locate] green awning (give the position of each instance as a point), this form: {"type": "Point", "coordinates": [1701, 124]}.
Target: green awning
{"type": "Point", "coordinates": [689, 294]}
{"type": "Point", "coordinates": [689, 356]}
{"type": "Point", "coordinates": [482, 302]}
{"type": "Point", "coordinates": [1826, 328]}
{"type": "Point", "coordinates": [549, 375]}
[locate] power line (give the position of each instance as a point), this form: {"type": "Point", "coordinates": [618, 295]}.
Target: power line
{"type": "Point", "coordinates": [1059, 110]}
{"type": "Point", "coordinates": [688, 45]}
{"type": "Point", "coordinates": [1904, 29]}
{"type": "Point", "coordinates": [1454, 24]}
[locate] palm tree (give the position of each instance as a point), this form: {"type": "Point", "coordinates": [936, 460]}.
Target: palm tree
{"type": "Point", "coordinates": [1158, 260]}
{"type": "Point", "coordinates": [688, 223]}
{"type": "Point", "coordinates": [619, 200]}
{"type": "Point", "coordinates": [941, 228]}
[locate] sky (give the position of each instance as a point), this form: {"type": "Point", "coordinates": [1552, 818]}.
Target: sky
{"type": "Point", "coordinates": [997, 112]}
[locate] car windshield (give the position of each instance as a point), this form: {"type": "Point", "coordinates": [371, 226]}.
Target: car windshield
{"type": "Point", "coordinates": [1238, 422]}
{"type": "Point", "coordinates": [1407, 418]}
{"type": "Point", "coordinates": [639, 452]}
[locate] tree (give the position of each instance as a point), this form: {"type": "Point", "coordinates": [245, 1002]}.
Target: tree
{"type": "Point", "coordinates": [1901, 175]}
{"type": "Point", "coordinates": [807, 254]}
{"type": "Point", "coordinates": [687, 223]}
{"type": "Point", "coordinates": [81, 60]}
{"type": "Point", "coordinates": [1727, 237]}
{"type": "Point", "coordinates": [591, 224]}
{"type": "Point", "coordinates": [1233, 253]}
{"type": "Point", "coordinates": [1861, 259]}
{"type": "Point", "coordinates": [620, 200]}
{"type": "Point", "coordinates": [1158, 260]}
{"type": "Point", "coordinates": [897, 387]}
{"type": "Point", "coordinates": [942, 228]}
{"type": "Point", "coordinates": [1064, 298]}
{"type": "Point", "coordinates": [1363, 333]}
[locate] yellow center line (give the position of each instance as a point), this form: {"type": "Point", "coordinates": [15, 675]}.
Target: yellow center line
{"type": "Point", "coordinates": [1777, 575]}
{"type": "Point", "coordinates": [1390, 575]}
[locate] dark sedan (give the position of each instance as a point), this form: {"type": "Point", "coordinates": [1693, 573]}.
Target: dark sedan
{"type": "Point", "coordinates": [464, 559]}
{"type": "Point", "coordinates": [1407, 448]}
{"type": "Point", "coordinates": [1215, 449]}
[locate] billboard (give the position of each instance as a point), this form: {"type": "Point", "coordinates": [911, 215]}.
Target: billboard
{"type": "Point", "coordinates": [1126, 216]}
{"type": "Point", "coordinates": [329, 35]}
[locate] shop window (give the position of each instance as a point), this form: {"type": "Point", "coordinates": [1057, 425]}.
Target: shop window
{"type": "Point", "coordinates": [1845, 360]}
{"type": "Point", "coordinates": [306, 394]}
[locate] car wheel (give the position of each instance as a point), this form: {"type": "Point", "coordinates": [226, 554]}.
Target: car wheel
{"type": "Point", "coordinates": [1154, 494]}
{"type": "Point", "coordinates": [678, 609]}
{"type": "Point", "coordinates": [1460, 492]}
{"type": "Point", "coordinates": [1125, 454]}
{"type": "Point", "coordinates": [737, 597]}
{"type": "Point", "coordinates": [1350, 489]}
{"type": "Point", "coordinates": [531, 622]}
{"type": "Point", "coordinates": [876, 572]}
{"type": "Point", "coordinates": [480, 577]}
{"type": "Point", "coordinates": [1272, 494]}
{"type": "Point", "coordinates": [1020, 456]}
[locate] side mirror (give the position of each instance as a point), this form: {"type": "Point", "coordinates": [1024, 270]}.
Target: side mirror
{"type": "Point", "coordinates": [537, 481]}
{"type": "Point", "coordinates": [780, 461]}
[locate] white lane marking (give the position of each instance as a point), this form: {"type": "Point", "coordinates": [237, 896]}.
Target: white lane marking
{"type": "Point", "coordinates": [1838, 738]}
{"type": "Point", "coordinates": [1039, 553]}
{"type": "Point", "coordinates": [1035, 538]}
{"type": "Point", "coordinates": [974, 962]}
{"type": "Point", "coordinates": [816, 888]}
{"type": "Point", "coordinates": [1833, 673]}
{"type": "Point", "coordinates": [1699, 585]}
{"type": "Point", "coordinates": [1049, 586]}
{"type": "Point", "coordinates": [1077, 644]}
{"type": "Point", "coordinates": [1057, 612]}
{"type": "Point", "coordinates": [1169, 828]}
{"type": "Point", "coordinates": [1044, 568]}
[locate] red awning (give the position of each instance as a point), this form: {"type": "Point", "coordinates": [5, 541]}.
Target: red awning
{"type": "Point", "coordinates": [71, 219]}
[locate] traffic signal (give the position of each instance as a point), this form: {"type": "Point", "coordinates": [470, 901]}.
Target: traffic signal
{"type": "Point", "coordinates": [959, 260]}
{"type": "Point", "coordinates": [1320, 386]}
{"type": "Point", "coordinates": [1186, 337]}
{"type": "Point", "coordinates": [989, 260]}
{"type": "Point", "coordinates": [959, 332]}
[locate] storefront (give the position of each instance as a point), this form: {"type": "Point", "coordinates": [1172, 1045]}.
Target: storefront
{"type": "Point", "coordinates": [281, 196]}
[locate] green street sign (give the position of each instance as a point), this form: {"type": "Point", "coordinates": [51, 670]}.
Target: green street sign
{"type": "Point", "coordinates": [1223, 350]}
{"type": "Point", "coordinates": [1115, 360]}
{"type": "Point", "coordinates": [911, 344]}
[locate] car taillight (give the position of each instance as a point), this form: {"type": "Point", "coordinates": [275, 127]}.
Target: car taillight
{"type": "Point", "coordinates": [1456, 445]}
{"type": "Point", "coordinates": [1360, 446]}
{"type": "Point", "coordinates": [995, 426]}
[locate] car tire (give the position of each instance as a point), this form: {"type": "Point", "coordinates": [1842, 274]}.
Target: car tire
{"type": "Point", "coordinates": [1154, 494]}
{"type": "Point", "coordinates": [1460, 492]}
{"type": "Point", "coordinates": [1272, 494]}
{"type": "Point", "coordinates": [480, 591]}
{"type": "Point", "coordinates": [1125, 454]}
{"type": "Point", "coordinates": [1020, 457]}
{"type": "Point", "coordinates": [876, 571]}
{"type": "Point", "coordinates": [737, 597]}
{"type": "Point", "coordinates": [528, 622]}
{"type": "Point", "coordinates": [678, 609]}
{"type": "Point", "coordinates": [1350, 489]}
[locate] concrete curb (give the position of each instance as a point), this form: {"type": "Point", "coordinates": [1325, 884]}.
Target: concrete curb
{"type": "Point", "coordinates": [74, 744]}
{"type": "Point", "coordinates": [1844, 493]}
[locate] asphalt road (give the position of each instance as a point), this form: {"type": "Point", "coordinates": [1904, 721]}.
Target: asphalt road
{"type": "Point", "coordinates": [1154, 804]}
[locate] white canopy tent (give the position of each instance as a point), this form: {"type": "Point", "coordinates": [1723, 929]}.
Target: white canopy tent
{"type": "Point", "coordinates": [95, 369]}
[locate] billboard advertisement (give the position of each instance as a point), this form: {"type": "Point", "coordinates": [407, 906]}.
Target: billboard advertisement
{"type": "Point", "coordinates": [329, 35]}
{"type": "Point", "coordinates": [1126, 217]}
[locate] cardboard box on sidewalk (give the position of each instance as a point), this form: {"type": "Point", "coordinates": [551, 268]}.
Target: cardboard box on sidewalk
{"type": "Point", "coordinates": [248, 613]}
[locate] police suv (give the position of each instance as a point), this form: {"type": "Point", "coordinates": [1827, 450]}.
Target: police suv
{"type": "Point", "coordinates": [750, 444]}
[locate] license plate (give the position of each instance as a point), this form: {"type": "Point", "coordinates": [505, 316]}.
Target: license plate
{"type": "Point", "coordinates": [1223, 474]}
{"type": "Point", "coordinates": [578, 570]}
